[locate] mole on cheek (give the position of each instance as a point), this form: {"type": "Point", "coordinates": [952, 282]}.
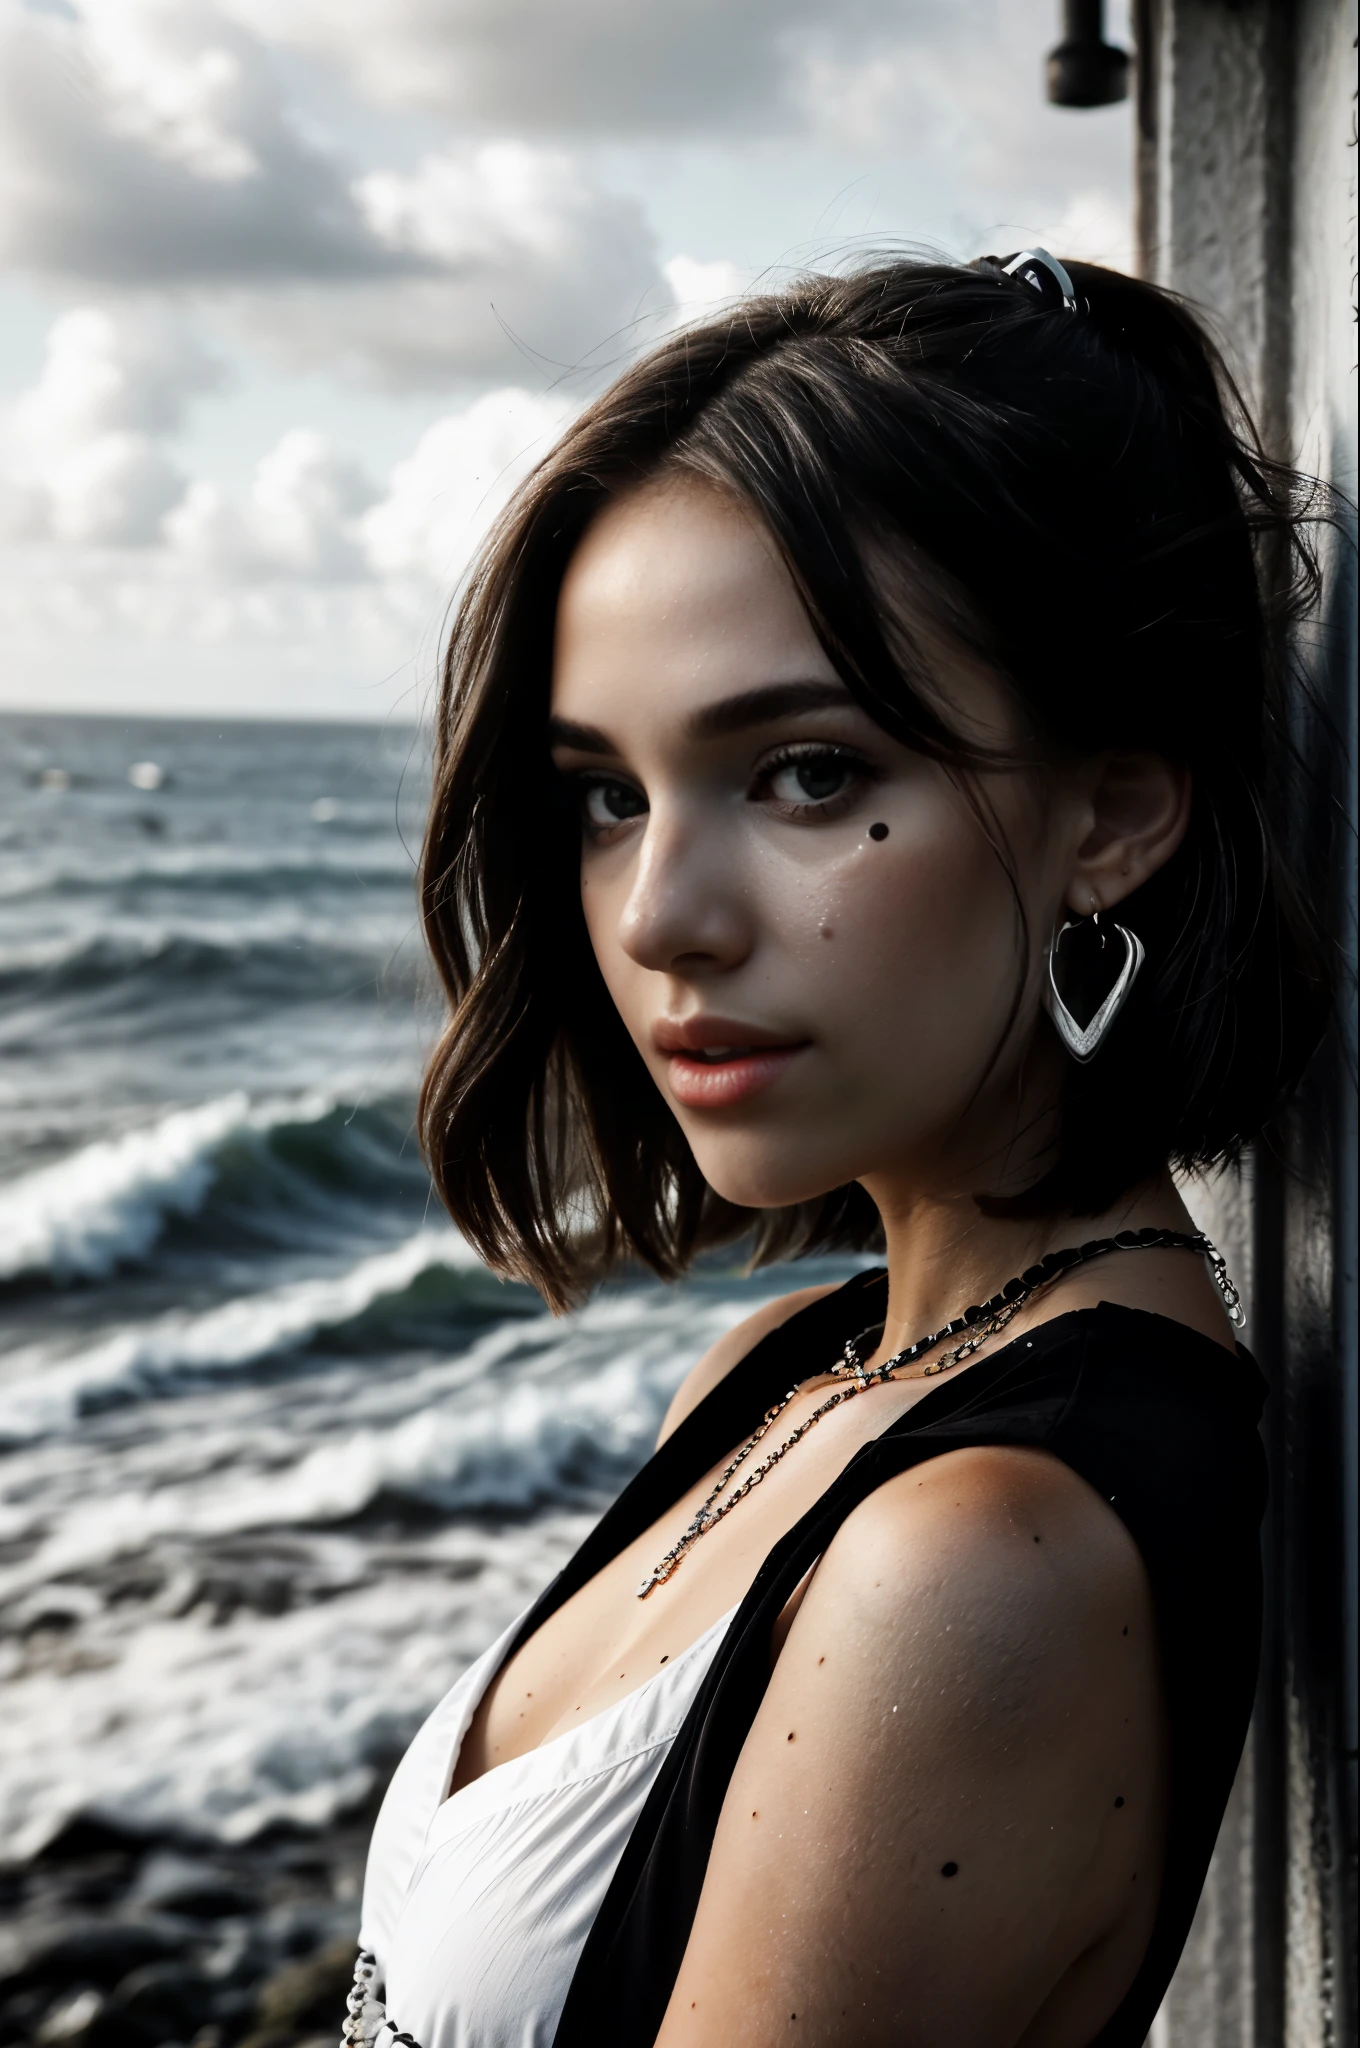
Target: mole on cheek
{"type": "Point", "coordinates": [827, 932]}
{"type": "Point", "coordinates": [878, 831]}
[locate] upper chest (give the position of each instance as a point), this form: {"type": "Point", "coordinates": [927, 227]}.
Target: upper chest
{"type": "Point", "coordinates": [604, 1641]}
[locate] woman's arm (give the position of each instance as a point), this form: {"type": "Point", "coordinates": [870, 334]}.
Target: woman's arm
{"type": "Point", "coordinates": [946, 1822]}
{"type": "Point", "coordinates": [729, 1350]}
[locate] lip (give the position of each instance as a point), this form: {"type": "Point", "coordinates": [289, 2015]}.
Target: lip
{"type": "Point", "coordinates": [757, 1059]}
{"type": "Point", "coordinates": [706, 1034]}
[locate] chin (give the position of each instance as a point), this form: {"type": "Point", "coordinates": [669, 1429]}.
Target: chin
{"type": "Point", "coordinates": [769, 1179]}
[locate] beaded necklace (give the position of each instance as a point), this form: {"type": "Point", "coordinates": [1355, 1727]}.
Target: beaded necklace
{"type": "Point", "coordinates": [975, 1326]}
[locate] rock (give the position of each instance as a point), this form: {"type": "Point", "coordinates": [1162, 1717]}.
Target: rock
{"type": "Point", "coordinates": [153, 2006]}
{"type": "Point", "coordinates": [303, 1998]}
{"type": "Point", "coordinates": [71, 2018]}
{"type": "Point", "coordinates": [173, 1883]}
{"type": "Point", "coordinates": [98, 1952]}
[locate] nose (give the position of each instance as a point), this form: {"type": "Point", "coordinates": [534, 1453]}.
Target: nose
{"type": "Point", "coordinates": [685, 911]}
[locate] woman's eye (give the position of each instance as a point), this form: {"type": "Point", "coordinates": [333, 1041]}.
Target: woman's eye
{"type": "Point", "coordinates": [611, 803]}
{"type": "Point", "coordinates": [812, 778]}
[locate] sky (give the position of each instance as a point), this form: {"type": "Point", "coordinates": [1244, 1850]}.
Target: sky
{"type": "Point", "coordinates": [293, 291]}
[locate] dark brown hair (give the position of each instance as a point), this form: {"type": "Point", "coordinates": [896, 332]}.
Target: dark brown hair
{"type": "Point", "coordinates": [1089, 486]}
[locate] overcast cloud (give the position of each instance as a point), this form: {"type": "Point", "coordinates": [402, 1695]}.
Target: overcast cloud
{"type": "Point", "coordinates": [436, 223]}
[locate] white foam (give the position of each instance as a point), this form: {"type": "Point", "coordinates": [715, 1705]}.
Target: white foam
{"type": "Point", "coordinates": [113, 947]}
{"type": "Point", "coordinates": [537, 1412]}
{"type": "Point", "coordinates": [108, 1203]}
{"type": "Point", "coordinates": [56, 867]}
{"type": "Point", "coordinates": [224, 1728]}
{"type": "Point", "coordinates": [47, 1391]}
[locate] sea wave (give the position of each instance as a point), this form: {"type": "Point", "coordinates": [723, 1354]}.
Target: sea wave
{"type": "Point", "coordinates": [142, 968]}
{"type": "Point", "coordinates": [109, 1203]}
{"type": "Point", "coordinates": [265, 871]}
{"type": "Point", "coordinates": [46, 1391]}
{"type": "Point", "coordinates": [188, 1727]}
{"type": "Point", "coordinates": [534, 1414]}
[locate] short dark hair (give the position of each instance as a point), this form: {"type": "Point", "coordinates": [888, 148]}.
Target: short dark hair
{"type": "Point", "coordinates": [1095, 515]}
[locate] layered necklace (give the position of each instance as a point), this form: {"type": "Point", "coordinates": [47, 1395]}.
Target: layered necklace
{"type": "Point", "coordinates": [973, 1328]}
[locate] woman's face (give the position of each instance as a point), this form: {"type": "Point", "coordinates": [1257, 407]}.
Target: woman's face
{"type": "Point", "coordinates": [802, 923]}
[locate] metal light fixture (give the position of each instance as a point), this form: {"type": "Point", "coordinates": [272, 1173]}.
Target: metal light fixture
{"type": "Point", "coordinates": [1084, 70]}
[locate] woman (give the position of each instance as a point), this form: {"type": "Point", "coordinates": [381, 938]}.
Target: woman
{"type": "Point", "coordinates": [853, 826]}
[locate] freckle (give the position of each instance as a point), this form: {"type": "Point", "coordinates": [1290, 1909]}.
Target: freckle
{"type": "Point", "coordinates": [878, 831]}
{"type": "Point", "coordinates": [949, 1870]}
{"type": "Point", "coordinates": [667, 1658]}
{"type": "Point", "coordinates": [827, 932]}
{"type": "Point", "coordinates": [821, 1660]}
{"type": "Point", "coordinates": [1120, 1800]}
{"type": "Point", "coordinates": [1124, 1631]}
{"type": "Point", "coordinates": [790, 1735]}
{"type": "Point", "coordinates": [1038, 1539]}
{"type": "Point", "coordinates": [754, 1814]}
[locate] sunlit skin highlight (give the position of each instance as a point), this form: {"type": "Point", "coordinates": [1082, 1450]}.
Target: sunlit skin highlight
{"type": "Point", "coordinates": [820, 1002]}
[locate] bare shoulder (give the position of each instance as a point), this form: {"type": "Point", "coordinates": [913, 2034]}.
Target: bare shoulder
{"type": "Point", "coordinates": [961, 1744]}
{"type": "Point", "coordinates": [1006, 1538]}
{"type": "Point", "coordinates": [729, 1350]}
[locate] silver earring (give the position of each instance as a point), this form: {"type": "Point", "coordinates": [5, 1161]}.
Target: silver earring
{"type": "Point", "coordinates": [1084, 1044]}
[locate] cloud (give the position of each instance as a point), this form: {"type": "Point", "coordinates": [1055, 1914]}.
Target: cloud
{"type": "Point", "coordinates": [615, 67]}
{"type": "Point", "coordinates": [963, 97]}
{"type": "Point", "coordinates": [147, 143]}
{"type": "Point", "coordinates": [151, 146]}
{"type": "Point", "coordinates": [699, 285]}
{"type": "Point", "coordinates": [425, 195]}
{"type": "Point", "coordinates": [84, 463]}
{"type": "Point", "coordinates": [523, 251]}
{"type": "Point", "coordinates": [314, 588]}
{"type": "Point", "coordinates": [300, 520]}
{"type": "Point", "coordinates": [107, 372]}
{"type": "Point", "coordinates": [82, 456]}
{"type": "Point", "coordinates": [146, 147]}
{"type": "Point", "coordinates": [443, 497]}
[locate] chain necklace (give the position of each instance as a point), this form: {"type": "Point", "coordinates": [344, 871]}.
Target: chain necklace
{"type": "Point", "coordinates": [978, 1324]}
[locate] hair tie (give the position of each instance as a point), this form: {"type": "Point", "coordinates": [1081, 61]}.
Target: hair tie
{"type": "Point", "coordinates": [1044, 272]}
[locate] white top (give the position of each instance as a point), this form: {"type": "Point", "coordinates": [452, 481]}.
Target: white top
{"type": "Point", "coordinates": [477, 1907]}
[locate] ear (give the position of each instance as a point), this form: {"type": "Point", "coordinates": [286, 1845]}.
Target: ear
{"type": "Point", "coordinates": [1139, 807]}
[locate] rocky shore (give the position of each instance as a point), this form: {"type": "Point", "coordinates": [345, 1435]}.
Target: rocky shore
{"type": "Point", "coordinates": [109, 1942]}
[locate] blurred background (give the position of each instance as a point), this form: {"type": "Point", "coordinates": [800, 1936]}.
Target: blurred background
{"type": "Point", "coordinates": [291, 295]}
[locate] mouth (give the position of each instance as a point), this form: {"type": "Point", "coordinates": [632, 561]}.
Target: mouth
{"type": "Point", "coordinates": [715, 1061]}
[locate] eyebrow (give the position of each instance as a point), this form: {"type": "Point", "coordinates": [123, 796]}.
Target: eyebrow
{"type": "Point", "coordinates": [718, 721]}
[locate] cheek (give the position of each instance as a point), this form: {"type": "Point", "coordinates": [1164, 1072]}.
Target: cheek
{"type": "Point", "coordinates": [905, 954]}
{"type": "Point", "coordinates": [603, 900]}
{"type": "Point", "coordinates": [927, 906]}
{"type": "Point", "coordinates": [605, 892]}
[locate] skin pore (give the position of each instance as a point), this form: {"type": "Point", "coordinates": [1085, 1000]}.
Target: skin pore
{"type": "Point", "coordinates": [946, 1822]}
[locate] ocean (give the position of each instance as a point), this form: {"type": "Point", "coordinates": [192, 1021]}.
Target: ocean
{"type": "Point", "coordinates": [278, 1456]}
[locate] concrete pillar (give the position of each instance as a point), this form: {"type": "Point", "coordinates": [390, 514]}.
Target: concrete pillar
{"type": "Point", "coordinates": [1247, 204]}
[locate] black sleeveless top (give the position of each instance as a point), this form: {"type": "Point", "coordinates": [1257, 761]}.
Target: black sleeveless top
{"type": "Point", "coordinates": [1160, 1420]}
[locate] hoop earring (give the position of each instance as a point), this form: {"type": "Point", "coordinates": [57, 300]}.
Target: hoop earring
{"type": "Point", "coordinates": [1084, 1044]}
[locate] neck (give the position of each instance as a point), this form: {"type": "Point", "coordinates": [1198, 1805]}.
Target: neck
{"type": "Point", "coordinates": [944, 1254]}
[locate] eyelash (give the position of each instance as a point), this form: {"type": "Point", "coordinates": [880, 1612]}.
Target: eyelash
{"type": "Point", "coordinates": [861, 771]}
